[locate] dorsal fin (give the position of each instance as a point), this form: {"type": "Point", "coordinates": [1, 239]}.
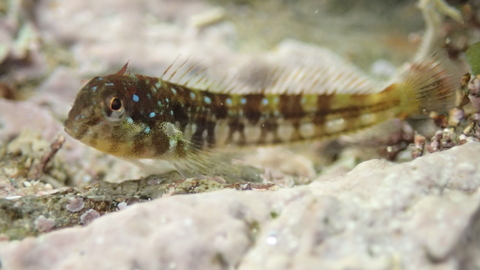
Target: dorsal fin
{"type": "Point", "coordinates": [191, 74]}
{"type": "Point", "coordinates": [297, 68]}
{"type": "Point", "coordinates": [293, 68]}
{"type": "Point", "coordinates": [123, 70]}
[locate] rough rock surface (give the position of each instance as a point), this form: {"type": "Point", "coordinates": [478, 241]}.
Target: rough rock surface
{"type": "Point", "coordinates": [416, 215]}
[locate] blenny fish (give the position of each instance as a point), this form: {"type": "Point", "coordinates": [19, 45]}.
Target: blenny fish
{"type": "Point", "coordinates": [135, 117]}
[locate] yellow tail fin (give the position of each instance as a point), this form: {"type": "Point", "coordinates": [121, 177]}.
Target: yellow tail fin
{"type": "Point", "coordinates": [426, 87]}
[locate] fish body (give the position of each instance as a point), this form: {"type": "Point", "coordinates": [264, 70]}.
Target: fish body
{"type": "Point", "coordinates": [133, 116]}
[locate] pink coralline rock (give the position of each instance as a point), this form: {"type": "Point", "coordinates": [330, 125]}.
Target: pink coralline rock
{"type": "Point", "coordinates": [75, 205]}
{"type": "Point", "coordinates": [43, 224]}
{"type": "Point", "coordinates": [58, 91]}
{"type": "Point", "coordinates": [16, 116]}
{"type": "Point", "coordinates": [108, 27]}
{"type": "Point", "coordinates": [422, 214]}
{"type": "Point", "coordinates": [89, 216]}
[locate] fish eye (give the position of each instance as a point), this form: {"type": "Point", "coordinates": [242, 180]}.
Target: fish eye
{"type": "Point", "coordinates": [114, 109]}
{"type": "Point", "coordinates": [115, 104]}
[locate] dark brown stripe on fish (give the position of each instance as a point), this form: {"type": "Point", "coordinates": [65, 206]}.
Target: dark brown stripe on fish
{"type": "Point", "coordinates": [210, 128]}
{"type": "Point", "coordinates": [290, 106]}
{"type": "Point", "coordinates": [251, 108]}
{"type": "Point", "coordinates": [269, 126]}
{"type": "Point", "coordinates": [140, 144]}
{"type": "Point", "coordinates": [93, 121]}
{"type": "Point", "coordinates": [181, 116]}
{"type": "Point", "coordinates": [220, 108]}
{"type": "Point", "coordinates": [235, 126]}
{"type": "Point", "coordinates": [296, 135]}
{"type": "Point", "coordinates": [84, 128]}
{"type": "Point", "coordinates": [198, 136]}
{"type": "Point", "coordinates": [323, 109]}
{"type": "Point", "coordinates": [160, 141]}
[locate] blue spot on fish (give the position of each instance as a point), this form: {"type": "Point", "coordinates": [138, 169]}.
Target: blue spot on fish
{"type": "Point", "coordinates": [158, 85]}
{"type": "Point", "coordinates": [207, 100]}
{"type": "Point", "coordinates": [167, 100]}
{"type": "Point", "coordinates": [149, 96]}
{"type": "Point", "coordinates": [159, 103]}
{"type": "Point", "coordinates": [192, 95]}
{"type": "Point", "coordinates": [229, 101]}
{"type": "Point", "coordinates": [265, 101]}
{"type": "Point", "coordinates": [129, 120]}
{"type": "Point", "coordinates": [243, 101]}
{"type": "Point", "coordinates": [174, 91]}
{"type": "Point", "coordinates": [152, 114]}
{"type": "Point", "coordinates": [109, 84]}
{"type": "Point", "coordinates": [135, 98]}
{"type": "Point", "coordinates": [171, 112]}
{"type": "Point", "coordinates": [94, 89]}
{"type": "Point", "coordinates": [147, 130]}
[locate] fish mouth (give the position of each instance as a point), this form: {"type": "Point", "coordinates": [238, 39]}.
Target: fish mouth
{"type": "Point", "coordinates": [69, 132]}
{"type": "Point", "coordinates": [69, 129]}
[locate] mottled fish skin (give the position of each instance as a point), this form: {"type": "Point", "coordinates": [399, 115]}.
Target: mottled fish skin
{"type": "Point", "coordinates": [140, 117]}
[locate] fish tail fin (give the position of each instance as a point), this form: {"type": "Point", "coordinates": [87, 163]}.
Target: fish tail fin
{"type": "Point", "coordinates": [426, 86]}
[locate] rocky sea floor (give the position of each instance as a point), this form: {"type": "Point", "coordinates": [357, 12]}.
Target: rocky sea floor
{"type": "Point", "coordinates": [64, 205]}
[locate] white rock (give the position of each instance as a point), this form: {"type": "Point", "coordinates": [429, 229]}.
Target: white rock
{"type": "Point", "coordinates": [379, 216]}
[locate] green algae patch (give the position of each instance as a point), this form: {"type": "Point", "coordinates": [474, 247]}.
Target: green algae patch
{"type": "Point", "coordinates": [473, 57]}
